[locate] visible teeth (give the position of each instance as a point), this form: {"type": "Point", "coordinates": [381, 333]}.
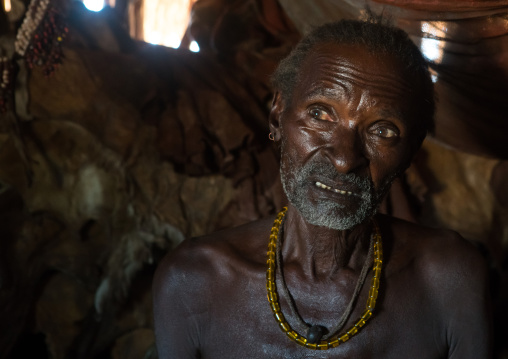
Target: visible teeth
{"type": "Point", "coordinates": [321, 185]}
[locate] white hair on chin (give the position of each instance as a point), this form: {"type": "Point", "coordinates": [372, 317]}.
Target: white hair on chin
{"type": "Point", "coordinates": [329, 213]}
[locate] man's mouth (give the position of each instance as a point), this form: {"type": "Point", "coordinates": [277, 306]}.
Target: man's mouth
{"type": "Point", "coordinates": [344, 192]}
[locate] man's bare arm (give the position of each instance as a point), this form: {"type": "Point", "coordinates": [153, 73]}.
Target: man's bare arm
{"type": "Point", "coordinates": [175, 320]}
{"type": "Point", "coordinates": [464, 301]}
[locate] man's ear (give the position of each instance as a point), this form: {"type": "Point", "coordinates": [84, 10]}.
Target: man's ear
{"type": "Point", "coordinates": [276, 116]}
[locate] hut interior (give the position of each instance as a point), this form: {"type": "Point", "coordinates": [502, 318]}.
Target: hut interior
{"type": "Point", "coordinates": [113, 150]}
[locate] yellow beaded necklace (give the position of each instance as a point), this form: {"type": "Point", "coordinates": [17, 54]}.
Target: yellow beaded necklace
{"type": "Point", "coordinates": [273, 298]}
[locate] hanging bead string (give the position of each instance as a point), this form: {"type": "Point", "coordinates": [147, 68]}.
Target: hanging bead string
{"type": "Point", "coordinates": [274, 300]}
{"type": "Point", "coordinates": [349, 309]}
{"type": "Point", "coordinates": [33, 17]}
{"type": "Point", "coordinates": [38, 42]}
{"type": "Point", "coordinates": [40, 35]}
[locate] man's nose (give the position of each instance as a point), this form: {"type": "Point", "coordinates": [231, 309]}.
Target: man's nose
{"type": "Point", "coordinates": [346, 151]}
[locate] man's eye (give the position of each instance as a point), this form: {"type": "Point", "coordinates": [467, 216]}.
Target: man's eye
{"type": "Point", "coordinates": [386, 132]}
{"type": "Point", "coordinates": [319, 114]}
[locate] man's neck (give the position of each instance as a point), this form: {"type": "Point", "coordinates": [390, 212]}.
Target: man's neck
{"type": "Point", "coordinates": [321, 252]}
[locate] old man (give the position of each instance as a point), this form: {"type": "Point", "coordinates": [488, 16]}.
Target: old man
{"type": "Point", "coordinates": [328, 277]}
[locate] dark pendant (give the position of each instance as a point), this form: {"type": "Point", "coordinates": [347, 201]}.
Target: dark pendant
{"type": "Point", "coordinates": [314, 334]}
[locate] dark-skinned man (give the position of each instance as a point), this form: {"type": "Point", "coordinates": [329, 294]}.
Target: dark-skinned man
{"type": "Point", "coordinates": [330, 278]}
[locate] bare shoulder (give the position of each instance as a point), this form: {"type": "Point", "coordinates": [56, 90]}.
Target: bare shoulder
{"type": "Point", "coordinates": [451, 271]}
{"type": "Point", "coordinates": [448, 278]}
{"type": "Point", "coordinates": [196, 260]}
{"type": "Point", "coordinates": [198, 270]}
{"type": "Point", "coordinates": [441, 254]}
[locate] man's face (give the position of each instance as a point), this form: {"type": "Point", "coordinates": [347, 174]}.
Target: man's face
{"type": "Point", "coordinates": [346, 134]}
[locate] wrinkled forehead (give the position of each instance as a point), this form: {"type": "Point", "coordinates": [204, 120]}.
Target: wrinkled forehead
{"type": "Point", "coordinates": [338, 69]}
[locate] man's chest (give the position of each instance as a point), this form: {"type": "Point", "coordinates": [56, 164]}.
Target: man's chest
{"type": "Point", "coordinates": [403, 325]}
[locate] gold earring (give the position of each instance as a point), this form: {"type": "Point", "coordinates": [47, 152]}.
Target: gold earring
{"type": "Point", "coordinates": [270, 136]}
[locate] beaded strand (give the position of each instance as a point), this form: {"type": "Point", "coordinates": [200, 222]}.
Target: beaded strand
{"type": "Point", "coordinates": [34, 15]}
{"type": "Point", "coordinates": [273, 297]}
{"type": "Point", "coordinates": [40, 36]}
